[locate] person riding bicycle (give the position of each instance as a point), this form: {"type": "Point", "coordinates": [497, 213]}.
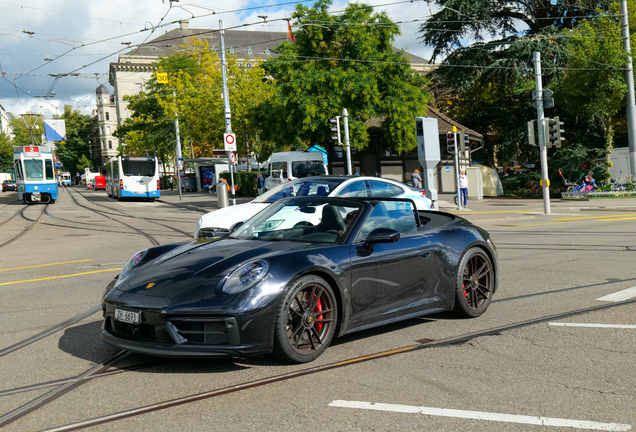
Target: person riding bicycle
{"type": "Point", "coordinates": [590, 183]}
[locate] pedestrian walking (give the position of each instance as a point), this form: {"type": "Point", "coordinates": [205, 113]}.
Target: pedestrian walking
{"type": "Point", "coordinates": [416, 179]}
{"type": "Point", "coordinates": [260, 184]}
{"type": "Point", "coordinates": [170, 181]}
{"type": "Point", "coordinates": [463, 188]}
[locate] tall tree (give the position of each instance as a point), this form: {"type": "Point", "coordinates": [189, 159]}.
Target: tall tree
{"type": "Point", "coordinates": [149, 126]}
{"type": "Point", "coordinates": [487, 84]}
{"type": "Point", "coordinates": [78, 138]}
{"type": "Point", "coordinates": [199, 103]}
{"type": "Point", "coordinates": [593, 86]}
{"type": "Point", "coordinates": [343, 61]}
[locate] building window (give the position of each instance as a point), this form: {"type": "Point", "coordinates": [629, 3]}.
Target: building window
{"type": "Point", "coordinates": [107, 130]}
{"type": "Point", "coordinates": [103, 133]}
{"type": "Point", "coordinates": [101, 115]}
{"type": "Point", "coordinates": [107, 116]}
{"type": "Point", "coordinates": [104, 144]}
{"type": "Point", "coordinates": [110, 144]}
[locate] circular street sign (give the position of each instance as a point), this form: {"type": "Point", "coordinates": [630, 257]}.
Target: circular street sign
{"type": "Point", "coordinates": [232, 158]}
{"type": "Point", "coordinates": [229, 139]}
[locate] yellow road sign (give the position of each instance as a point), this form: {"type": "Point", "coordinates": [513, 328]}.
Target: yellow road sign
{"type": "Point", "coordinates": [162, 78]}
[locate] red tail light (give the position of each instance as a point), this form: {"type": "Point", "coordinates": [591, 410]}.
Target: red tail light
{"type": "Point", "coordinates": [423, 193]}
{"type": "Point", "coordinates": [158, 185]}
{"type": "Point", "coordinates": [121, 184]}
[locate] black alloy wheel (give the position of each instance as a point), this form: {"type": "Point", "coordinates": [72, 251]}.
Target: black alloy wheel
{"type": "Point", "coordinates": [306, 320]}
{"type": "Point", "coordinates": [475, 283]}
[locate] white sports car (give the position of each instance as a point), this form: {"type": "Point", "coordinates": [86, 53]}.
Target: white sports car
{"type": "Point", "coordinates": [220, 221]}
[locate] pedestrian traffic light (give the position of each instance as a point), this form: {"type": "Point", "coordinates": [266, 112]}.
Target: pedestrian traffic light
{"type": "Point", "coordinates": [335, 129]}
{"type": "Point", "coordinates": [553, 132]}
{"type": "Point", "coordinates": [450, 142]}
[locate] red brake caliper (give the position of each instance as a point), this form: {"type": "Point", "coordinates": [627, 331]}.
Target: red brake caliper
{"type": "Point", "coordinates": [318, 317]}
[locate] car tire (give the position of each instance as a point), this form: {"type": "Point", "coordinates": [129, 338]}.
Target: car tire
{"type": "Point", "coordinates": [475, 283]}
{"type": "Point", "coordinates": [305, 329]}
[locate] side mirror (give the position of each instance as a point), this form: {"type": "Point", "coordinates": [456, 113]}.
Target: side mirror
{"type": "Point", "coordinates": [236, 226]}
{"type": "Point", "coordinates": [383, 235]}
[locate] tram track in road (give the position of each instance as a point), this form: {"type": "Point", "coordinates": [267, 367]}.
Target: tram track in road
{"type": "Point", "coordinates": [34, 222]}
{"type": "Point", "coordinates": [248, 385]}
{"type": "Point", "coordinates": [127, 214]}
{"type": "Point", "coordinates": [63, 389]}
{"type": "Point", "coordinates": [48, 332]}
{"type": "Point", "coordinates": [152, 240]}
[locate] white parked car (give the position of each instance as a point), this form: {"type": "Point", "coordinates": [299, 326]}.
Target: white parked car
{"type": "Point", "coordinates": [220, 221]}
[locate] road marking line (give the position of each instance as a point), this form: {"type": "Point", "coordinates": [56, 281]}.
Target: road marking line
{"type": "Point", "coordinates": [617, 326]}
{"type": "Point", "coordinates": [598, 217]}
{"type": "Point", "coordinates": [618, 219]}
{"type": "Point", "coordinates": [625, 294]}
{"type": "Point", "coordinates": [530, 212]}
{"type": "Point", "coordinates": [59, 277]}
{"type": "Point", "coordinates": [477, 415]}
{"type": "Point", "coordinates": [44, 265]}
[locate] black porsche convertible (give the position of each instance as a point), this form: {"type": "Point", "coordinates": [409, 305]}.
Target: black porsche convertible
{"type": "Point", "coordinates": [296, 275]}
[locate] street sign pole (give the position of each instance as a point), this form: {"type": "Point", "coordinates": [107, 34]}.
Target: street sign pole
{"type": "Point", "coordinates": [459, 195]}
{"type": "Point", "coordinates": [345, 117]}
{"type": "Point", "coordinates": [629, 79]}
{"type": "Point", "coordinates": [179, 156]}
{"type": "Point", "coordinates": [226, 103]}
{"type": "Point", "coordinates": [543, 151]}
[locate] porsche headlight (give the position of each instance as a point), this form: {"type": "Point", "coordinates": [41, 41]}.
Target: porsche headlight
{"type": "Point", "coordinates": [132, 263]}
{"type": "Point", "coordinates": [245, 277]}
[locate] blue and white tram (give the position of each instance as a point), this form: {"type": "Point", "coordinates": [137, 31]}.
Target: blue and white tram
{"type": "Point", "coordinates": [35, 174]}
{"type": "Point", "coordinates": [132, 177]}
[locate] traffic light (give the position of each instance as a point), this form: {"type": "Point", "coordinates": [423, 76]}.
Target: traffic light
{"type": "Point", "coordinates": [553, 132]}
{"type": "Point", "coordinates": [450, 142]}
{"type": "Point", "coordinates": [335, 129]}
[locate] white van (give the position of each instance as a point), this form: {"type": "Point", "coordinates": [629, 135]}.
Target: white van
{"type": "Point", "coordinates": [287, 166]}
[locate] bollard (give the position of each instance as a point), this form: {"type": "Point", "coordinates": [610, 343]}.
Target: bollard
{"type": "Point", "coordinates": [222, 194]}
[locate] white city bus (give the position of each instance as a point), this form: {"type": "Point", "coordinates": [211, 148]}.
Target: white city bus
{"type": "Point", "coordinates": [132, 177]}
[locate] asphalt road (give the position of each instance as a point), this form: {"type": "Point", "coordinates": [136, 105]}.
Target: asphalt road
{"type": "Point", "coordinates": [525, 376]}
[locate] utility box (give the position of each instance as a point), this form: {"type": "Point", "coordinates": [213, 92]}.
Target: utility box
{"type": "Point", "coordinates": [620, 163]}
{"type": "Point", "coordinates": [428, 153]}
{"type": "Point", "coordinates": [475, 183]}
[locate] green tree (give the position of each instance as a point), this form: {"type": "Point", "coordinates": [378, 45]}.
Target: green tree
{"type": "Point", "coordinates": [78, 139]}
{"type": "Point", "coordinates": [199, 103]}
{"type": "Point", "coordinates": [342, 61]}
{"type": "Point", "coordinates": [149, 126]}
{"type": "Point", "coordinates": [22, 135]}
{"type": "Point", "coordinates": [6, 152]}
{"type": "Point", "coordinates": [593, 86]}
{"type": "Point", "coordinates": [487, 84]}
{"type": "Point", "coordinates": [83, 163]}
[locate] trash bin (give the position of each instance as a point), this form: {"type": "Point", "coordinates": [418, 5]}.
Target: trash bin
{"type": "Point", "coordinates": [189, 184]}
{"type": "Point", "coordinates": [222, 194]}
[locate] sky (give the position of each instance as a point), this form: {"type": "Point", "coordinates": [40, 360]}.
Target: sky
{"type": "Point", "coordinates": [80, 38]}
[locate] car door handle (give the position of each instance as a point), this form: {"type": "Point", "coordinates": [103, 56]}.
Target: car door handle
{"type": "Point", "coordinates": [425, 254]}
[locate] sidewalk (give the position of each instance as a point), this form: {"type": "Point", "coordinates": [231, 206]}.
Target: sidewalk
{"type": "Point", "coordinates": [487, 208]}
{"type": "Point", "coordinates": [517, 208]}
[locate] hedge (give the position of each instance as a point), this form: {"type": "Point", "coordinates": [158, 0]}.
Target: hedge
{"type": "Point", "coordinates": [246, 182]}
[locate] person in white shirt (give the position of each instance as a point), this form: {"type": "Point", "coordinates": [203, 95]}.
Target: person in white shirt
{"type": "Point", "coordinates": [463, 188]}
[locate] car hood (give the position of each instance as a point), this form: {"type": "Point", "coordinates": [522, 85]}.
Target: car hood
{"type": "Point", "coordinates": [228, 216]}
{"type": "Point", "coordinates": [192, 271]}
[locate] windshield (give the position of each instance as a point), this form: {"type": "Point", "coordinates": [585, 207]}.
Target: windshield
{"type": "Point", "coordinates": [299, 188]}
{"type": "Point", "coordinates": [308, 168]}
{"type": "Point", "coordinates": [33, 169]}
{"type": "Point", "coordinates": [138, 167]}
{"type": "Point", "coordinates": [305, 220]}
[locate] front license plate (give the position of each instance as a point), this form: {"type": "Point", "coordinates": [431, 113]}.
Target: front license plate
{"type": "Point", "coordinates": [128, 316]}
